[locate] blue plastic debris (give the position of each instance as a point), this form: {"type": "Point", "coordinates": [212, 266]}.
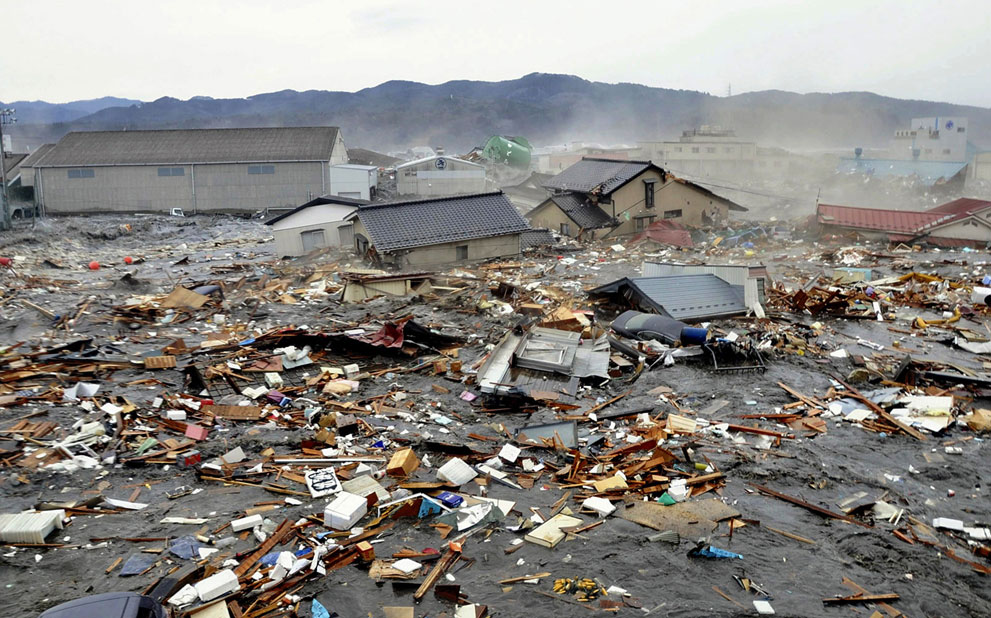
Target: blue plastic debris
{"type": "Point", "coordinates": [137, 564]}
{"type": "Point", "coordinates": [450, 500]}
{"type": "Point", "coordinates": [428, 507]}
{"type": "Point", "coordinates": [318, 610]}
{"type": "Point", "coordinates": [708, 551]}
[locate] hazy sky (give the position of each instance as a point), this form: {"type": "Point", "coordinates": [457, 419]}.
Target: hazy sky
{"type": "Point", "coordinates": [66, 50]}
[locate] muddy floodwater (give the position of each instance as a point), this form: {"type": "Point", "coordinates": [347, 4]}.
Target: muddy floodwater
{"type": "Point", "coordinates": [944, 475]}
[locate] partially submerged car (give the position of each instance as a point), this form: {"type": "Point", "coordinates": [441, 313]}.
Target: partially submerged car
{"type": "Point", "coordinates": [109, 605]}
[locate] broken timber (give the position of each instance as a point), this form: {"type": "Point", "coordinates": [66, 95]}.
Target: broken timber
{"type": "Point", "coordinates": [808, 506]}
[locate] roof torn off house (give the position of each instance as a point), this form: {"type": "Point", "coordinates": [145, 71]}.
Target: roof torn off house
{"type": "Point", "coordinates": [689, 298]}
{"type": "Point", "coordinates": [543, 363]}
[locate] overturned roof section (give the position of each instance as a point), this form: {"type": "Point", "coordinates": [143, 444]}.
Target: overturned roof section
{"type": "Point", "coordinates": [96, 148]}
{"type": "Point", "coordinates": [419, 223]}
{"type": "Point", "coordinates": [878, 219]}
{"type": "Point", "coordinates": [682, 297]}
{"type": "Point", "coordinates": [587, 216]}
{"type": "Point", "coordinates": [592, 173]}
{"type": "Point", "coordinates": [324, 199]}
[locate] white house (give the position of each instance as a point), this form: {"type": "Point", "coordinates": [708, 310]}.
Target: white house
{"type": "Point", "coordinates": [355, 181]}
{"type": "Point", "coordinates": [314, 225]}
{"type": "Point", "coordinates": [440, 176]}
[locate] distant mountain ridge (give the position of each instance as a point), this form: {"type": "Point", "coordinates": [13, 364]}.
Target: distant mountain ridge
{"type": "Point", "coordinates": [545, 108]}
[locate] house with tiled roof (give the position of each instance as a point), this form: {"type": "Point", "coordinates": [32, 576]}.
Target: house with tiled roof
{"type": "Point", "coordinates": [609, 198]}
{"type": "Point", "coordinates": [964, 221]}
{"type": "Point", "coordinates": [431, 232]}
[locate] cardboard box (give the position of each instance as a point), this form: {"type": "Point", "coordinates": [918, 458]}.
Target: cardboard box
{"type": "Point", "coordinates": [345, 511]}
{"type": "Point", "coordinates": [402, 463]}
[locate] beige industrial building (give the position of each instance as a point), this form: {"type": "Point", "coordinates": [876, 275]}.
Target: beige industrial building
{"type": "Point", "coordinates": [319, 223]}
{"type": "Point", "coordinates": [608, 198]}
{"type": "Point", "coordinates": [430, 232]}
{"type": "Point", "coordinates": [195, 170]}
{"type": "Point", "coordinates": [439, 175]}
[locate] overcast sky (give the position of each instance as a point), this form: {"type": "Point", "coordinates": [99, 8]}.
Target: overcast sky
{"type": "Point", "coordinates": [67, 50]}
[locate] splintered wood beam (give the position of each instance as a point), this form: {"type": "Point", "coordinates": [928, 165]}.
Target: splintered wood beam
{"type": "Point", "coordinates": [818, 510]}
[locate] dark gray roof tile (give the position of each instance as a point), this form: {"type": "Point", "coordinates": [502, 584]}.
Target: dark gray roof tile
{"type": "Point", "coordinates": [419, 223]}
{"type": "Point", "coordinates": [585, 214]}
{"type": "Point", "coordinates": [589, 173]}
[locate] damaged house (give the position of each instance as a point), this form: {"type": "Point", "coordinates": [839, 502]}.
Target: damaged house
{"type": "Point", "coordinates": [688, 298]}
{"type": "Point", "coordinates": [964, 221]}
{"type": "Point", "coordinates": [608, 198]}
{"type": "Point", "coordinates": [319, 223]}
{"type": "Point", "coordinates": [438, 231]}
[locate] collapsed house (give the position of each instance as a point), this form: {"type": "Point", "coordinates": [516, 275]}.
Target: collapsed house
{"type": "Point", "coordinates": [438, 231]}
{"type": "Point", "coordinates": [689, 298]}
{"type": "Point", "coordinates": [750, 281]}
{"type": "Point", "coordinates": [606, 197]}
{"type": "Point", "coordinates": [964, 221]}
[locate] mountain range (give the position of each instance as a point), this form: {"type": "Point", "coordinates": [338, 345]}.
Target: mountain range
{"type": "Point", "coordinates": [546, 108]}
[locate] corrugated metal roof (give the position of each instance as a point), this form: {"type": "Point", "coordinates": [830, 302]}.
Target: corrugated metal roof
{"type": "Point", "coordinates": [963, 205]}
{"type": "Point", "coordinates": [929, 172]}
{"type": "Point", "coordinates": [435, 157]}
{"type": "Point", "coordinates": [39, 153]}
{"type": "Point", "coordinates": [877, 219]}
{"type": "Point", "coordinates": [95, 148]}
{"type": "Point", "coordinates": [591, 172]}
{"type": "Point", "coordinates": [682, 297]}
{"type": "Point", "coordinates": [419, 223]}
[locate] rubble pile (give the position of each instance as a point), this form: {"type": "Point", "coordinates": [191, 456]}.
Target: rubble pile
{"type": "Point", "coordinates": [234, 435]}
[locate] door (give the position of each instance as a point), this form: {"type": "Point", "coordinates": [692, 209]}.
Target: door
{"type": "Point", "coordinates": [312, 239]}
{"type": "Point", "coordinates": [345, 234]}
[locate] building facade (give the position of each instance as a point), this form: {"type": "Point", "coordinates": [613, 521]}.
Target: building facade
{"type": "Point", "coordinates": [358, 182]}
{"type": "Point", "coordinates": [196, 170]}
{"type": "Point", "coordinates": [317, 224]}
{"type": "Point", "coordinates": [439, 176]}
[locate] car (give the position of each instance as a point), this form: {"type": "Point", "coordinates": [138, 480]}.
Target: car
{"type": "Point", "coordinates": [109, 605]}
{"type": "Point", "coordinates": [645, 326]}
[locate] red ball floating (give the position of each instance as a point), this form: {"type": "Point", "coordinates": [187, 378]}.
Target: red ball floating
{"type": "Point", "coordinates": [128, 260]}
{"type": "Point", "coordinates": [94, 265]}
{"type": "Point", "coordinates": [5, 261]}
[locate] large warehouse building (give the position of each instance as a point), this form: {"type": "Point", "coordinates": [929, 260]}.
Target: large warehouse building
{"type": "Point", "coordinates": [196, 170]}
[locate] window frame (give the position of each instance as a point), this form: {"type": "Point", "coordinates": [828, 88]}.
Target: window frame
{"type": "Point", "coordinates": [458, 251]}
{"type": "Point", "coordinates": [171, 171]}
{"type": "Point", "coordinates": [81, 172]}
{"type": "Point", "coordinates": [670, 214]}
{"type": "Point", "coordinates": [261, 169]}
{"type": "Point", "coordinates": [642, 223]}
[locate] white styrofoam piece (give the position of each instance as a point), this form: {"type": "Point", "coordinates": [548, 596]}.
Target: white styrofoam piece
{"type": "Point", "coordinates": [29, 527]}
{"type": "Point", "coordinates": [600, 505]}
{"type": "Point", "coordinates": [948, 523]}
{"type": "Point", "coordinates": [218, 584]}
{"type": "Point", "coordinates": [509, 452]}
{"type": "Point", "coordinates": [456, 472]}
{"type": "Point", "coordinates": [345, 511]}
{"type": "Point", "coordinates": [246, 523]}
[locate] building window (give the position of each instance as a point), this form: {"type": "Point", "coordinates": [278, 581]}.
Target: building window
{"type": "Point", "coordinates": [171, 171]}
{"type": "Point", "coordinates": [728, 150]}
{"type": "Point", "coordinates": [672, 214]}
{"type": "Point", "coordinates": [946, 151]}
{"type": "Point", "coordinates": [261, 169]}
{"type": "Point", "coordinates": [710, 149]}
{"type": "Point", "coordinates": [642, 222]}
{"type": "Point", "coordinates": [648, 194]}
{"type": "Point", "coordinates": [677, 148]}
{"type": "Point", "coordinates": [85, 173]}
{"type": "Point", "coordinates": [929, 150]}
{"type": "Point", "coordinates": [566, 229]}
{"type": "Point", "coordinates": [461, 252]}
{"type": "Point", "coordinates": [961, 129]}
{"type": "Point", "coordinates": [695, 148]}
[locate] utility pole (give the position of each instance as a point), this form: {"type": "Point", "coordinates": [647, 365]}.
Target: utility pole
{"type": "Point", "coordinates": [6, 117]}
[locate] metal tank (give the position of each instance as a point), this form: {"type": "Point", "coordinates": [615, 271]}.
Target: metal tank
{"type": "Point", "coordinates": [510, 151]}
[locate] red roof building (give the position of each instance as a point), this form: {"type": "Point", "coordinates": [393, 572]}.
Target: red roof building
{"type": "Point", "coordinates": [960, 222]}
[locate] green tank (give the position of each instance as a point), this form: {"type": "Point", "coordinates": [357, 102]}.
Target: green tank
{"type": "Point", "coordinates": [510, 151]}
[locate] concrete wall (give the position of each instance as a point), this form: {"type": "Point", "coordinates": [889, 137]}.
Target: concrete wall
{"type": "Point", "coordinates": [980, 167]}
{"type": "Point", "coordinates": [973, 228]}
{"type": "Point", "coordinates": [326, 217]}
{"type": "Point", "coordinates": [218, 187]}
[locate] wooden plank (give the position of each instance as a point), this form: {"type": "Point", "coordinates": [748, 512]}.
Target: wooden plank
{"type": "Point", "coordinates": [181, 297]}
{"type": "Point", "coordinates": [807, 506]}
{"type": "Point", "coordinates": [160, 362]}
{"type": "Point", "coordinates": [861, 598]}
{"type": "Point", "coordinates": [881, 411]}
{"type": "Point", "coordinates": [234, 413]}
